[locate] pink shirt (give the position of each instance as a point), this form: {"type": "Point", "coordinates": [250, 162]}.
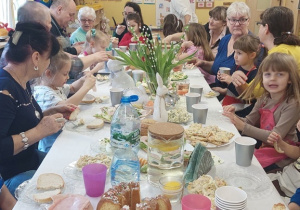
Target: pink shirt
{"type": "Point", "coordinates": [200, 55]}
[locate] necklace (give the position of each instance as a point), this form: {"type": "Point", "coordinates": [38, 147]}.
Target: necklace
{"type": "Point", "coordinates": [37, 114]}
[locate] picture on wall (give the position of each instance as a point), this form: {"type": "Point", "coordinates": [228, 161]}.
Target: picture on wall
{"type": "Point", "coordinates": [149, 1]}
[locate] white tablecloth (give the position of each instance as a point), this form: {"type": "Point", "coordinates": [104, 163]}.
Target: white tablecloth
{"type": "Point", "coordinates": [70, 145]}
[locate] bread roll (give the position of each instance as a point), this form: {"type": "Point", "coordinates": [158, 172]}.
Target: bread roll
{"type": "Point", "coordinates": [88, 99]}
{"type": "Point", "coordinates": [45, 197]}
{"type": "Point", "coordinates": [279, 206]}
{"type": "Point", "coordinates": [73, 115]}
{"type": "Point", "coordinates": [277, 148]}
{"type": "Point", "coordinates": [95, 124]}
{"type": "Point", "coordinates": [50, 181]}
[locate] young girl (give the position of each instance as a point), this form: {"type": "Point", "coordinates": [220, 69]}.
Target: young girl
{"type": "Point", "coordinates": [53, 90]}
{"type": "Point", "coordinates": [172, 25]}
{"type": "Point", "coordinates": [196, 41]}
{"type": "Point", "coordinates": [134, 22]}
{"type": "Point", "coordinates": [97, 41]}
{"type": "Point", "coordinates": [246, 50]}
{"type": "Point", "coordinates": [276, 110]}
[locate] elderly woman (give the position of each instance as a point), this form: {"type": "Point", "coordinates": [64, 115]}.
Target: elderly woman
{"type": "Point", "coordinates": [86, 18]}
{"type": "Point", "coordinates": [22, 122]}
{"type": "Point", "coordinates": [276, 33]}
{"type": "Point", "coordinates": [121, 29]}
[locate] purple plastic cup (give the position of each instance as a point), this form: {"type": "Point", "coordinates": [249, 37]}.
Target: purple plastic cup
{"type": "Point", "coordinates": [195, 202]}
{"type": "Point", "coordinates": [94, 176]}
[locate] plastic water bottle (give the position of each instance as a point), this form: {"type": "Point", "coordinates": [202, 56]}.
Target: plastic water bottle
{"type": "Point", "coordinates": [125, 125]}
{"type": "Point", "coordinates": [125, 166]}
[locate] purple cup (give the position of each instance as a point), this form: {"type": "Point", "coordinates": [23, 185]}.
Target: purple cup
{"type": "Point", "coordinates": [94, 176]}
{"type": "Point", "coordinates": [195, 202]}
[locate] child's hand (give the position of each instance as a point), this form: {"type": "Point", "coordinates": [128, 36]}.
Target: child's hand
{"type": "Point", "coordinates": [225, 78]}
{"type": "Point", "coordinates": [238, 78]}
{"type": "Point", "coordinates": [229, 108]}
{"type": "Point", "coordinates": [78, 46]}
{"type": "Point", "coordinates": [298, 125]}
{"type": "Point", "coordinates": [115, 42]}
{"type": "Point", "coordinates": [89, 81]}
{"type": "Point", "coordinates": [101, 56]}
{"type": "Point", "coordinates": [238, 123]}
{"type": "Point", "coordinates": [273, 137]}
{"type": "Point", "coordinates": [222, 91]}
{"type": "Point", "coordinates": [187, 44]}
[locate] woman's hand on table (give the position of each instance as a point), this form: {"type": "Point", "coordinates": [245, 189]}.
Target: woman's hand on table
{"type": "Point", "coordinates": [238, 78]}
{"type": "Point", "coordinates": [120, 29]}
{"type": "Point", "coordinates": [50, 124]}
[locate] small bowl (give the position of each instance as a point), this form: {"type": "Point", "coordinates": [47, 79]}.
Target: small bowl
{"type": "Point", "coordinates": [171, 186]}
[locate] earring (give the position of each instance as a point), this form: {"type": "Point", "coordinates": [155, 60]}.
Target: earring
{"type": "Point", "coordinates": [36, 68]}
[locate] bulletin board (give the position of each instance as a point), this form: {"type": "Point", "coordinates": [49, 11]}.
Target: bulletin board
{"type": "Point", "coordinates": [204, 4]}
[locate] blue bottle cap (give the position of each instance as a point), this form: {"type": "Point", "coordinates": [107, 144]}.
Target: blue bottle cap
{"type": "Point", "coordinates": [128, 99]}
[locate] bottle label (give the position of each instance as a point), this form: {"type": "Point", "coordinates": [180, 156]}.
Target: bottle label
{"type": "Point", "coordinates": [120, 140]}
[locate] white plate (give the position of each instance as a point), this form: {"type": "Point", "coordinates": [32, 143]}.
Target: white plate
{"type": "Point", "coordinates": [251, 179]}
{"type": "Point", "coordinates": [26, 190]}
{"type": "Point", "coordinates": [209, 145]}
{"type": "Point", "coordinates": [97, 146]}
{"type": "Point", "coordinates": [73, 126]}
{"type": "Point", "coordinates": [71, 171]}
{"type": "Point", "coordinates": [216, 94]}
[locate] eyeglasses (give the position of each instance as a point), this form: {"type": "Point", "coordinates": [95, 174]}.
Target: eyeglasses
{"type": "Point", "coordinates": [260, 23]}
{"type": "Point", "coordinates": [240, 21]}
{"type": "Point", "coordinates": [86, 20]}
{"type": "Point", "coordinates": [127, 13]}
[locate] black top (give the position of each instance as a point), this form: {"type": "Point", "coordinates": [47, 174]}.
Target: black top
{"type": "Point", "coordinates": [17, 115]}
{"type": "Point", "coordinates": [145, 29]}
{"type": "Point", "coordinates": [57, 31]}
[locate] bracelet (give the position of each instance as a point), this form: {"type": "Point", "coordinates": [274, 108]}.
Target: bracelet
{"type": "Point", "coordinates": [24, 140]}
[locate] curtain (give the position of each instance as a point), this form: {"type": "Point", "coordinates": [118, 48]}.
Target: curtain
{"type": "Point", "coordinates": [7, 13]}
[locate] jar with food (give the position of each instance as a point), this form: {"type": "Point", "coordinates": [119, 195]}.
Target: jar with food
{"type": "Point", "coordinates": [165, 151]}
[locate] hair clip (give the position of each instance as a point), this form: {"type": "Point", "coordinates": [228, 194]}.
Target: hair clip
{"type": "Point", "coordinates": [93, 32]}
{"type": "Point", "coordinates": [287, 33]}
{"type": "Point", "coordinates": [16, 36]}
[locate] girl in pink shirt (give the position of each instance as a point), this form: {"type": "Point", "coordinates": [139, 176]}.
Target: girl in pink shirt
{"type": "Point", "coordinates": [196, 41]}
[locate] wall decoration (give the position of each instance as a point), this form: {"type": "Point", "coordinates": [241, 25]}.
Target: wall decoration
{"type": "Point", "coordinates": [149, 1]}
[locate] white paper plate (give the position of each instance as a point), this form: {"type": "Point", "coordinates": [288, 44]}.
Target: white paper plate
{"type": "Point", "coordinates": [26, 190]}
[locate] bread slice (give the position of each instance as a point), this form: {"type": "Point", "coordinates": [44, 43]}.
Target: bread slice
{"type": "Point", "coordinates": [73, 115]}
{"type": "Point", "coordinates": [88, 99]}
{"type": "Point", "coordinates": [50, 181]}
{"type": "Point", "coordinates": [95, 124]}
{"type": "Point", "coordinates": [45, 197]}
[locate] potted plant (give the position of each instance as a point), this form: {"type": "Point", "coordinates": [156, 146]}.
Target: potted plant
{"type": "Point", "coordinates": [153, 58]}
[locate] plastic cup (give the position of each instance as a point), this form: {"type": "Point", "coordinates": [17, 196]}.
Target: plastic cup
{"type": "Point", "coordinates": [94, 177]}
{"type": "Point", "coordinates": [196, 89]}
{"type": "Point", "coordinates": [224, 70]}
{"type": "Point", "coordinates": [133, 47]}
{"type": "Point", "coordinates": [116, 95]}
{"type": "Point", "coordinates": [244, 149]}
{"type": "Point", "coordinates": [138, 75]}
{"type": "Point", "coordinates": [199, 113]}
{"type": "Point", "coordinates": [171, 186]}
{"type": "Point", "coordinates": [195, 202]}
{"type": "Point", "coordinates": [191, 99]}
{"type": "Point", "coordinates": [123, 48]}
{"type": "Point", "coordinates": [183, 88]}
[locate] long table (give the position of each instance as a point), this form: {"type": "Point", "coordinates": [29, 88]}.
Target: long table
{"type": "Point", "coordinates": [70, 145]}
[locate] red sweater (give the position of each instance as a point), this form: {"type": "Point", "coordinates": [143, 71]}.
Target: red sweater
{"type": "Point", "coordinates": [126, 40]}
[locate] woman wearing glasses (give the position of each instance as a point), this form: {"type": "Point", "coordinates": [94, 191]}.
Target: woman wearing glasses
{"type": "Point", "coordinates": [121, 29]}
{"type": "Point", "coordinates": [86, 17]}
{"type": "Point", "coordinates": [238, 15]}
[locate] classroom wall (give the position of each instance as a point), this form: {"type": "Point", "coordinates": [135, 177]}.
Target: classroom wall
{"type": "Point", "coordinates": [115, 9]}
